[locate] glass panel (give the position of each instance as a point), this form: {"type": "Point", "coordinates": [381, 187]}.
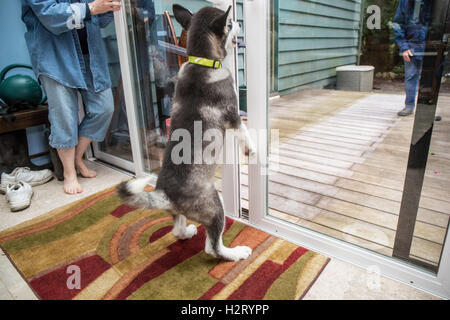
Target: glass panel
{"type": "Point", "coordinates": [242, 95]}
{"type": "Point", "coordinates": [242, 100]}
{"type": "Point", "coordinates": [117, 140]}
{"type": "Point", "coordinates": [341, 88]}
{"type": "Point", "coordinates": [154, 37]}
{"type": "Point", "coordinates": [429, 162]}
{"type": "Point", "coordinates": [428, 238]}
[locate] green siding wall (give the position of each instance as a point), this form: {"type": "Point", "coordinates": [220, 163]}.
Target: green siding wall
{"type": "Point", "coordinates": [241, 52]}
{"type": "Point", "coordinates": [315, 37]}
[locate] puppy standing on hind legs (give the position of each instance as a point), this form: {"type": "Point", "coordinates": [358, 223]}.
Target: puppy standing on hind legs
{"type": "Point", "coordinates": [204, 93]}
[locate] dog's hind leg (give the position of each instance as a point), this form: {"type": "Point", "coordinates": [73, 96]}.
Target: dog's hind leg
{"type": "Point", "coordinates": [180, 230]}
{"type": "Point", "coordinates": [214, 245]}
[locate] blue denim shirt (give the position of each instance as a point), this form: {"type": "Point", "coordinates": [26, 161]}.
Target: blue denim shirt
{"type": "Point", "coordinates": [411, 22]}
{"type": "Point", "coordinates": [53, 43]}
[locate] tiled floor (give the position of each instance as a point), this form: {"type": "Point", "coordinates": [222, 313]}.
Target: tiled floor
{"type": "Point", "coordinates": [343, 281]}
{"type": "Point", "coordinates": [339, 280]}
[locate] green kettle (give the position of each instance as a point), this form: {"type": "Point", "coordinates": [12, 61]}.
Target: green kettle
{"type": "Point", "coordinates": [20, 89]}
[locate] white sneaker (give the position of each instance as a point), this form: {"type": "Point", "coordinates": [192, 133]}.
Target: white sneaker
{"type": "Point", "coordinates": [33, 178]}
{"type": "Point", "coordinates": [18, 195]}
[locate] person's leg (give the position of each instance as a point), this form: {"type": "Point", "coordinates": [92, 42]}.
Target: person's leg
{"type": "Point", "coordinates": [63, 117]}
{"type": "Point", "coordinates": [412, 76]}
{"type": "Point", "coordinates": [71, 184]}
{"type": "Point", "coordinates": [80, 149]}
{"type": "Point", "coordinates": [99, 109]}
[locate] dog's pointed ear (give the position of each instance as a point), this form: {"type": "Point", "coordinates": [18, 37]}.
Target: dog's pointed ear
{"type": "Point", "coordinates": [220, 22]}
{"type": "Point", "coordinates": [182, 15]}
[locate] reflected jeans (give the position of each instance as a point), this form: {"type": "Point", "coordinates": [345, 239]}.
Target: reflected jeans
{"type": "Point", "coordinates": [413, 69]}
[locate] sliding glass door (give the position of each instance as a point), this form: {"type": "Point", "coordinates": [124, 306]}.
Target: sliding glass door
{"type": "Point", "coordinates": [320, 86]}
{"type": "Point", "coordinates": [344, 169]}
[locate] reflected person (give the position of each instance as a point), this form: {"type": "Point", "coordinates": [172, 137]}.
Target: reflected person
{"type": "Point", "coordinates": [410, 25]}
{"type": "Point", "coordinates": [143, 12]}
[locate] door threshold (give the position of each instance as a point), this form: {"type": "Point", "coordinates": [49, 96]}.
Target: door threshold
{"type": "Point", "coordinates": [152, 182]}
{"type": "Point", "coordinates": [110, 166]}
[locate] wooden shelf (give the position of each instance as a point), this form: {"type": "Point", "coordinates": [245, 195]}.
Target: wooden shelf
{"type": "Point", "coordinates": [25, 119]}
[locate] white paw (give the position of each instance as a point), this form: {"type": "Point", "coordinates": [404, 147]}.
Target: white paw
{"type": "Point", "coordinates": [189, 232]}
{"type": "Point", "coordinates": [236, 253]}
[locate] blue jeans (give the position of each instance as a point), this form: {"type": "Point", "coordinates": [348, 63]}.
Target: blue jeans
{"type": "Point", "coordinates": [413, 69]}
{"type": "Point", "coordinates": [63, 111]}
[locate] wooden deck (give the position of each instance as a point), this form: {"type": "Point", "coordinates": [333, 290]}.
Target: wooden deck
{"type": "Point", "coordinates": [342, 163]}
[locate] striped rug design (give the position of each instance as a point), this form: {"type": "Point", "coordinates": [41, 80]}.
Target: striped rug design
{"type": "Point", "coordinates": [124, 253]}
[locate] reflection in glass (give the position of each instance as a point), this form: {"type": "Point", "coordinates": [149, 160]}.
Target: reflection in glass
{"type": "Point", "coordinates": [156, 45]}
{"type": "Point", "coordinates": [435, 193]}
{"type": "Point", "coordinates": [117, 139]}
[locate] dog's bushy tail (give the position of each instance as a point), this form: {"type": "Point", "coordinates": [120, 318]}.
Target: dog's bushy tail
{"type": "Point", "coordinates": [132, 192]}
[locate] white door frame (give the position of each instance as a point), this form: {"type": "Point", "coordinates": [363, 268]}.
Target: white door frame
{"type": "Point", "coordinates": [231, 172]}
{"type": "Point", "coordinates": [256, 18]}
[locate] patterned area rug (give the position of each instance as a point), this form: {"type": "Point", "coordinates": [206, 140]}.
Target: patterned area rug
{"type": "Point", "coordinates": [99, 248]}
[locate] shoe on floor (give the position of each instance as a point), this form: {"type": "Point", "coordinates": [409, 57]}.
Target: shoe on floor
{"type": "Point", "coordinates": [18, 195]}
{"type": "Point", "coordinates": [33, 178]}
{"type": "Point", "coordinates": [405, 112]}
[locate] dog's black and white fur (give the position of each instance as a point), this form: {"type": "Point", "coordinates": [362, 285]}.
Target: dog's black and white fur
{"type": "Point", "coordinates": [201, 94]}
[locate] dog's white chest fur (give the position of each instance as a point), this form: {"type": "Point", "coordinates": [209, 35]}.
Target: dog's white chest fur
{"type": "Point", "coordinates": [216, 75]}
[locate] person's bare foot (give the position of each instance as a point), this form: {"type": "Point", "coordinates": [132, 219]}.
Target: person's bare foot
{"type": "Point", "coordinates": [83, 170]}
{"type": "Point", "coordinates": [71, 185]}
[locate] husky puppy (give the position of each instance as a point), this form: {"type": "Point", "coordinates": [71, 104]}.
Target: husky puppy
{"type": "Point", "coordinates": [203, 94]}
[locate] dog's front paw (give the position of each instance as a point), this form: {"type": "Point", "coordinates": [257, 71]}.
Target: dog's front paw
{"type": "Point", "coordinates": [188, 233]}
{"type": "Point", "coordinates": [191, 230]}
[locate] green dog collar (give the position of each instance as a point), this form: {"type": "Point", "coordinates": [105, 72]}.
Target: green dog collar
{"type": "Point", "coordinates": [216, 64]}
